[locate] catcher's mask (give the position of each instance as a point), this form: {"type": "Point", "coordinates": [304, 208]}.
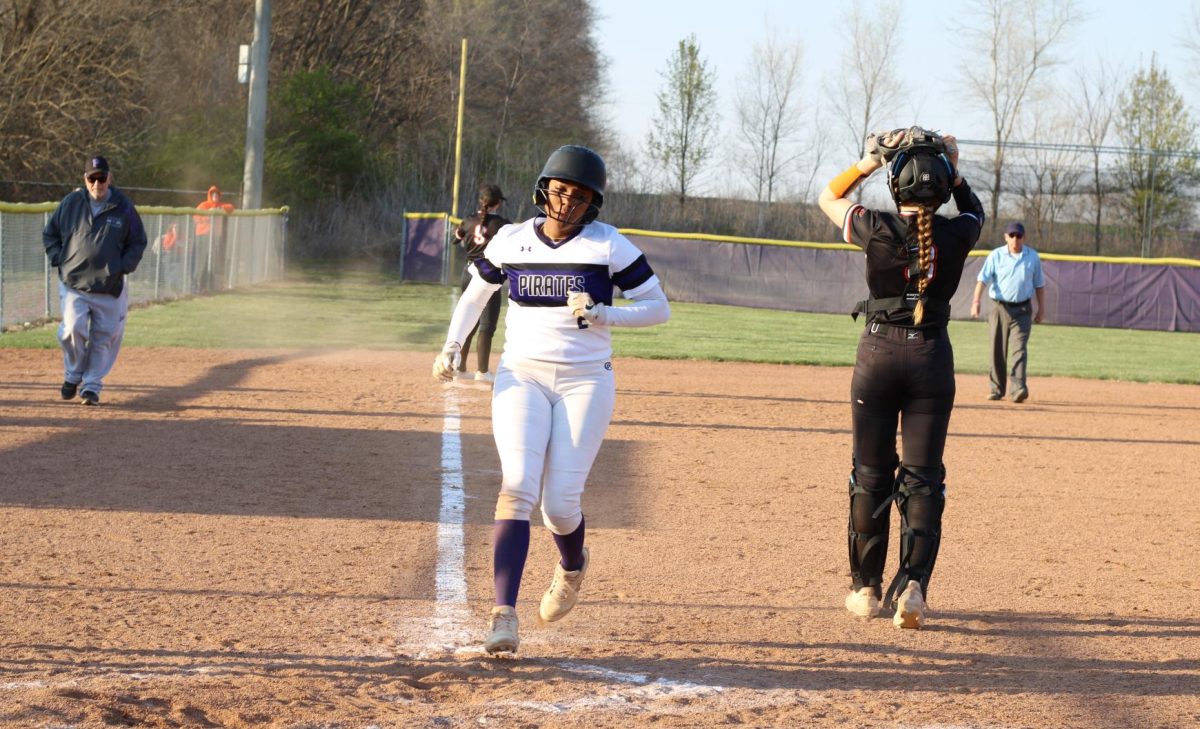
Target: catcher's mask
{"type": "Point", "coordinates": [577, 164]}
{"type": "Point", "coordinates": [921, 175]}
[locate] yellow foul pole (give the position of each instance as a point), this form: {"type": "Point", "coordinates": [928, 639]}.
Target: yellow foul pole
{"type": "Point", "coordinates": [462, 89]}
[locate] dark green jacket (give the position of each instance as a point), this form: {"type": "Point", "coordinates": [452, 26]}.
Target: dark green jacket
{"type": "Point", "coordinates": [94, 254]}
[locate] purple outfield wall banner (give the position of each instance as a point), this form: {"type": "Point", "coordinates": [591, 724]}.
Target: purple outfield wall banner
{"type": "Point", "coordinates": [424, 249]}
{"type": "Point", "coordinates": [1079, 291]}
{"type": "Point", "coordinates": [1162, 294]}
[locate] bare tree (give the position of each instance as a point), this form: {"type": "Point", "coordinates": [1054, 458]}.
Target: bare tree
{"type": "Point", "coordinates": [159, 95]}
{"type": "Point", "coordinates": [536, 40]}
{"type": "Point", "coordinates": [767, 115]}
{"type": "Point", "coordinates": [1095, 105]}
{"type": "Point", "coordinates": [516, 53]}
{"type": "Point", "coordinates": [1019, 38]}
{"type": "Point", "coordinates": [1051, 172]}
{"type": "Point", "coordinates": [379, 46]}
{"type": "Point", "coordinates": [681, 138]}
{"type": "Point", "coordinates": [1191, 39]}
{"type": "Point", "coordinates": [816, 148]}
{"type": "Point", "coordinates": [68, 90]}
{"type": "Point", "coordinates": [867, 89]}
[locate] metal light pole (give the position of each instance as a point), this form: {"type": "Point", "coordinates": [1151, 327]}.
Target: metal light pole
{"type": "Point", "coordinates": [462, 93]}
{"type": "Point", "coordinates": [256, 113]}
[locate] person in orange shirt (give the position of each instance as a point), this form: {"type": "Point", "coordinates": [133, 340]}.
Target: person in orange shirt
{"type": "Point", "coordinates": [213, 227]}
{"type": "Point", "coordinates": [204, 223]}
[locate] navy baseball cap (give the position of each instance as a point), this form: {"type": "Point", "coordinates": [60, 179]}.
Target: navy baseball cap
{"type": "Point", "coordinates": [1015, 228]}
{"type": "Point", "coordinates": [96, 163]}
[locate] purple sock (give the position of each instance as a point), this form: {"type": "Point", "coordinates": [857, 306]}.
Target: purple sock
{"type": "Point", "coordinates": [510, 546]}
{"type": "Point", "coordinates": [570, 547]}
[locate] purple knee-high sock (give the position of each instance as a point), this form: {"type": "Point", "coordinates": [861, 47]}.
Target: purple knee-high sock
{"type": "Point", "coordinates": [510, 539]}
{"type": "Point", "coordinates": [570, 546]}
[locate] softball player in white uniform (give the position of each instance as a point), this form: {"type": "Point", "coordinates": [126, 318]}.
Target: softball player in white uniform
{"type": "Point", "coordinates": [554, 391]}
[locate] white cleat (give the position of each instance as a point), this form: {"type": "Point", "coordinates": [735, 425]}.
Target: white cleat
{"type": "Point", "coordinates": [911, 607]}
{"type": "Point", "coordinates": [863, 602]}
{"type": "Point", "coordinates": [563, 592]}
{"type": "Point", "coordinates": [484, 377]}
{"type": "Point", "coordinates": [502, 631]}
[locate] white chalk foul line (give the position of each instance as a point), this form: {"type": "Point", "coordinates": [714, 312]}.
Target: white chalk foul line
{"type": "Point", "coordinates": [624, 689]}
{"type": "Point", "coordinates": [450, 612]}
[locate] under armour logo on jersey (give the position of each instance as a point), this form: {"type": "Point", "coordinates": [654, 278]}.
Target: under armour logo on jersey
{"type": "Point", "coordinates": [526, 249]}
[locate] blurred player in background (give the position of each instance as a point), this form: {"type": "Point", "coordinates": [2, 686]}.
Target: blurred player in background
{"type": "Point", "coordinates": [474, 233]}
{"type": "Point", "coordinates": [95, 239]}
{"type": "Point", "coordinates": [904, 370]}
{"type": "Point", "coordinates": [554, 390]}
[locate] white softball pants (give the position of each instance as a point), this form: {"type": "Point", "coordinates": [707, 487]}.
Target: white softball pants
{"type": "Point", "coordinates": [549, 420]}
{"type": "Point", "coordinates": [90, 334]}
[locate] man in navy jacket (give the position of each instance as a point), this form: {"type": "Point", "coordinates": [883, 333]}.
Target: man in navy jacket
{"type": "Point", "coordinates": [94, 238]}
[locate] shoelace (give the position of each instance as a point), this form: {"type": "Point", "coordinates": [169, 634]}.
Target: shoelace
{"type": "Point", "coordinates": [559, 586]}
{"type": "Point", "coordinates": [508, 622]}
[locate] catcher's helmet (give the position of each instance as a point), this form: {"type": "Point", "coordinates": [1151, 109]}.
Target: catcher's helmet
{"type": "Point", "coordinates": [921, 175]}
{"type": "Point", "coordinates": [577, 164]}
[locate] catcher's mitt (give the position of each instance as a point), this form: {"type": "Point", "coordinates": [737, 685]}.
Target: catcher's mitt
{"type": "Point", "coordinates": [883, 146]}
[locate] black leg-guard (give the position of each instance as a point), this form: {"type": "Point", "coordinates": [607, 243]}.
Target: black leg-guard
{"type": "Point", "coordinates": [871, 491]}
{"type": "Point", "coordinates": [921, 498]}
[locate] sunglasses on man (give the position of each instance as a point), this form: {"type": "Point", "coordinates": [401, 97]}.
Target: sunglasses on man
{"type": "Point", "coordinates": [1015, 235]}
{"type": "Point", "coordinates": [97, 179]}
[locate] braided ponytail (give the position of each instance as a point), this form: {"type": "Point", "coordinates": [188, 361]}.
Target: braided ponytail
{"type": "Point", "coordinates": [924, 234]}
{"type": "Point", "coordinates": [489, 196]}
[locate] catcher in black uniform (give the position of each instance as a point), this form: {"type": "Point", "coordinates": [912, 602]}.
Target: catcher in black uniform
{"type": "Point", "coordinates": [474, 233]}
{"type": "Point", "coordinates": [904, 370]}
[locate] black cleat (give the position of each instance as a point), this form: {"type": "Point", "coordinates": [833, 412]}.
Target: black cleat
{"type": "Point", "coordinates": [995, 396]}
{"type": "Point", "coordinates": [1021, 396]}
{"type": "Point", "coordinates": [87, 397]}
{"type": "Point", "coordinates": [68, 389]}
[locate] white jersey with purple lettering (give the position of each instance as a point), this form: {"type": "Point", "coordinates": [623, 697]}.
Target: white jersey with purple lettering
{"type": "Point", "coordinates": [540, 273]}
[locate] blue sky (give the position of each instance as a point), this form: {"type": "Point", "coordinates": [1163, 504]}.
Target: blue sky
{"type": "Point", "coordinates": [638, 36]}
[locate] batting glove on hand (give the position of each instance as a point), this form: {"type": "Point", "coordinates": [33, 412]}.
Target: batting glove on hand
{"type": "Point", "coordinates": [445, 365]}
{"type": "Point", "coordinates": [581, 305]}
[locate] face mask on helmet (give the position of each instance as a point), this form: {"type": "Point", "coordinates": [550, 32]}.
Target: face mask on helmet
{"type": "Point", "coordinates": [920, 177]}
{"type": "Point", "coordinates": [568, 203]}
{"type": "Point", "coordinates": [581, 166]}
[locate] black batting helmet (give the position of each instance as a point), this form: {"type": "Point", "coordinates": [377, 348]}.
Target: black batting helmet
{"type": "Point", "coordinates": [922, 176]}
{"type": "Point", "coordinates": [577, 164]}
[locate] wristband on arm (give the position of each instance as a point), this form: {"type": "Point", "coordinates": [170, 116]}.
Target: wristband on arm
{"type": "Point", "coordinates": [846, 181]}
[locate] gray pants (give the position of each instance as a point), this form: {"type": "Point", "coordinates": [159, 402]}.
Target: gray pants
{"type": "Point", "coordinates": [90, 334]}
{"type": "Point", "coordinates": [1009, 326]}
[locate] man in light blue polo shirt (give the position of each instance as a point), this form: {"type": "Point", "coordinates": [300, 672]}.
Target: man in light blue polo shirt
{"type": "Point", "coordinates": [1013, 276]}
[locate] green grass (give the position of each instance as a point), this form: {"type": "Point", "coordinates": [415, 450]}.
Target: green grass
{"type": "Point", "coordinates": [373, 312]}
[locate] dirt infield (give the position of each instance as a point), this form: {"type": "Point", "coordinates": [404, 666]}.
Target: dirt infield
{"type": "Point", "coordinates": [251, 538]}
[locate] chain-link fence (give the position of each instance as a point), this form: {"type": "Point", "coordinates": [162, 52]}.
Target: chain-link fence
{"type": "Point", "coordinates": [189, 252]}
